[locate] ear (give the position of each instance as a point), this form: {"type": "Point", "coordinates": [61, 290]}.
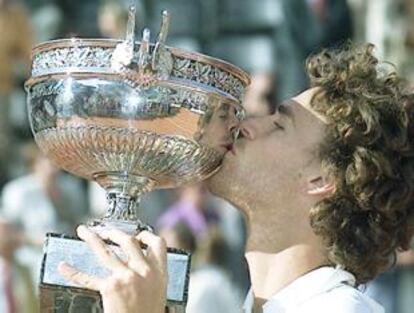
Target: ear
{"type": "Point", "coordinates": [320, 186]}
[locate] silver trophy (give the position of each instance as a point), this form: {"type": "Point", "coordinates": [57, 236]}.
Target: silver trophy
{"type": "Point", "coordinates": [132, 116]}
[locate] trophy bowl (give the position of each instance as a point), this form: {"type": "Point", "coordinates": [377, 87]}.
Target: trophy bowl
{"type": "Point", "coordinates": [133, 116]}
{"type": "Point", "coordinates": [134, 125]}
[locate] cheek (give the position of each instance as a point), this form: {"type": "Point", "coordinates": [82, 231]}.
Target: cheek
{"type": "Point", "coordinates": [275, 164]}
{"type": "Point", "coordinates": [257, 167]}
{"type": "Point", "coordinates": [257, 171]}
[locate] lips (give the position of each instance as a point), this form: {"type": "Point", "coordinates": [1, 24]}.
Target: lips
{"type": "Point", "coordinates": [229, 147]}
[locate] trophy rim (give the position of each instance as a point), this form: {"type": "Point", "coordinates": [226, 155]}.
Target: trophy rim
{"type": "Point", "coordinates": [210, 93]}
{"type": "Point", "coordinates": [111, 43]}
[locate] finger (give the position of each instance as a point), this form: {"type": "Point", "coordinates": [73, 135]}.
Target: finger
{"type": "Point", "coordinates": [131, 247]}
{"type": "Point", "coordinates": [156, 249]}
{"type": "Point", "coordinates": [84, 280]}
{"type": "Point", "coordinates": [101, 250]}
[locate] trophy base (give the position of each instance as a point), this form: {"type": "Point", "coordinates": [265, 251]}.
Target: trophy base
{"type": "Point", "coordinates": [60, 296]}
{"type": "Point", "coordinates": [55, 299]}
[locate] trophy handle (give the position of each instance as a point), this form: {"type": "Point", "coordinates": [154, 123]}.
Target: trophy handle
{"type": "Point", "coordinates": [130, 31]}
{"type": "Point", "coordinates": [144, 51]}
{"type": "Point", "coordinates": [162, 37]}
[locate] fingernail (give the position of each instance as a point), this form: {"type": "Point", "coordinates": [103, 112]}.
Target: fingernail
{"type": "Point", "coordinates": [82, 230]}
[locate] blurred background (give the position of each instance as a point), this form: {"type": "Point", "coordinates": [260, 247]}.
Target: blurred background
{"type": "Point", "coordinates": [268, 38]}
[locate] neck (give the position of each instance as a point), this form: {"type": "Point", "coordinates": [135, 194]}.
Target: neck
{"type": "Point", "coordinates": [279, 250]}
{"type": "Point", "coordinates": [270, 273]}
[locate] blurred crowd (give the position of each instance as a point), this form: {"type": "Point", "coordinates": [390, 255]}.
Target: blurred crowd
{"type": "Point", "coordinates": [269, 38]}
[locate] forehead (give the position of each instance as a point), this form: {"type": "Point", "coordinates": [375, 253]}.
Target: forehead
{"type": "Point", "coordinates": [307, 131]}
{"type": "Point", "coordinates": [300, 113]}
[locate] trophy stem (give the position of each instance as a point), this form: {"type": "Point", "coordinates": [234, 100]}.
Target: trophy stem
{"type": "Point", "coordinates": [121, 207]}
{"type": "Point", "coordinates": [123, 194]}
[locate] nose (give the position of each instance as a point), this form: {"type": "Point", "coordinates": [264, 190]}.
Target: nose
{"type": "Point", "coordinates": [250, 127]}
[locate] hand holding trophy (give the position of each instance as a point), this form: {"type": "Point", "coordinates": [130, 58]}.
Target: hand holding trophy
{"type": "Point", "coordinates": [137, 285]}
{"type": "Point", "coordinates": [133, 116]}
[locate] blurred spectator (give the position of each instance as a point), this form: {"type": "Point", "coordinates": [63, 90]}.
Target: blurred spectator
{"type": "Point", "coordinates": [45, 200]}
{"type": "Point", "coordinates": [388, 24]}
{"type": "Point", "coordinates": [260, 97]}
{"type": "Point", "coordinates": [394, 289]}
{"type": "Point", "coordinates": [80, 18]}
{"type": "Point", "coordinates": [384, 290]}
{"type": "Point", "coordinates": [210, 289]}
{"type": "Point", "coordinates": [112, 19]}
{"type": "Point", "coordinates": [179, 236]}
{"type": "Point", "coordinates": [16, 290]}
{"type": "Point", "coordinates": [47, 21]}
{"type": "Point", "coordinates": [405, 299]}
{"type": "Point", "coordinates": [191, 209]}
{"type": "Point", "coordinates": [15, 48]}
{"type": "Point", "coordinates": [307, 26]}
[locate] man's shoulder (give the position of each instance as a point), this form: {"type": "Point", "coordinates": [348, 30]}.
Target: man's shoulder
{"type": "Point", "coordinates": [344, 299]}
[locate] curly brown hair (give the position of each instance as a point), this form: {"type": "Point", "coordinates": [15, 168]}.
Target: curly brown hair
{"type": "Point", "coordinates": [369, 152]}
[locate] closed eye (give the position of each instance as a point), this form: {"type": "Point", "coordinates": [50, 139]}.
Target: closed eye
{"type": "Point", "coordinates": [223, 116]}
{"type": "Point", "coordinates": [278, 126]}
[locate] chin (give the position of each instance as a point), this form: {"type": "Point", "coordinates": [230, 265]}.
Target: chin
{"type": "Point", "coordinates": [226, 183]}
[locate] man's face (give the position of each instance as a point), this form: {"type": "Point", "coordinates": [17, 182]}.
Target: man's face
{"type": "Point", "coordinates": [275, 157]}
